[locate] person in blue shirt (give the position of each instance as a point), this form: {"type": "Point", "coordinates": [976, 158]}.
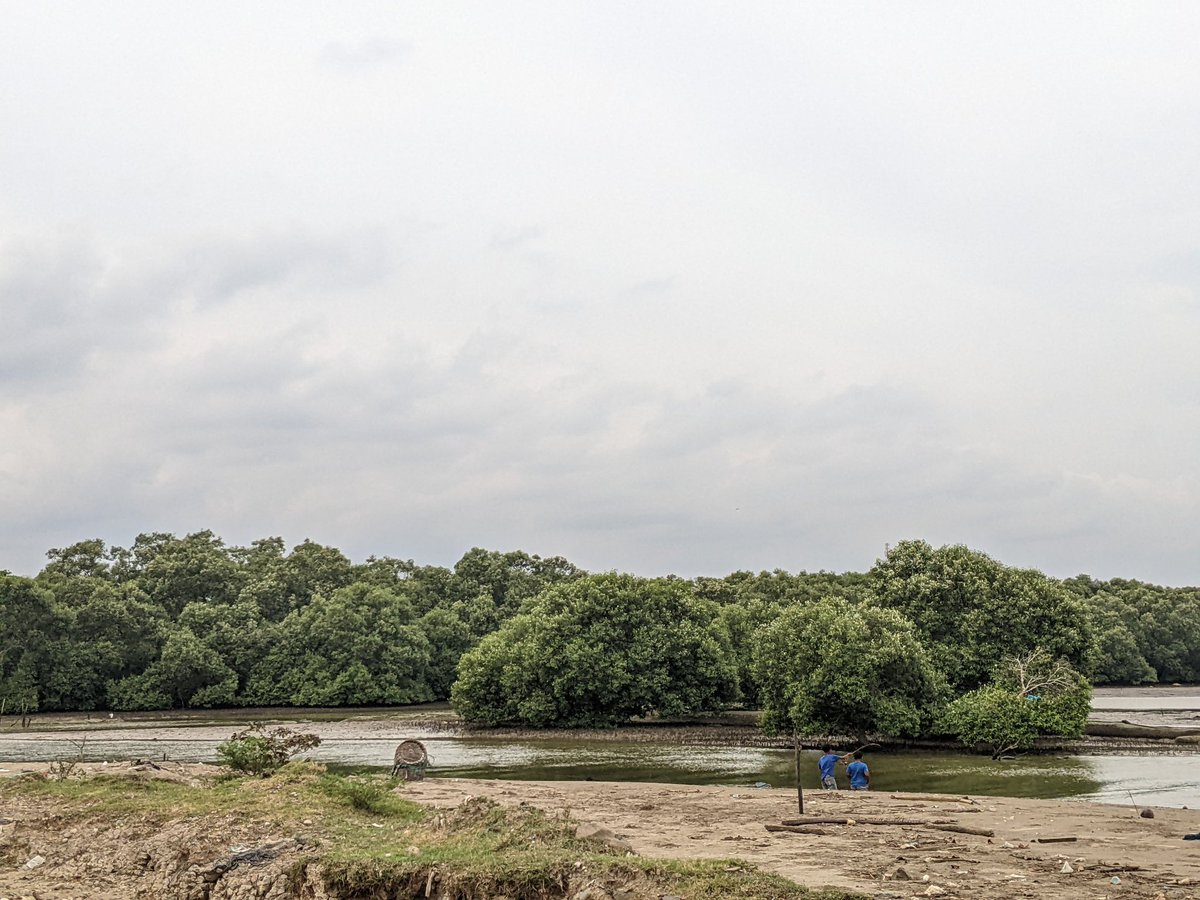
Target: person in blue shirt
{"type": "Point", "coordinates": [826, 765]}
{"type": "Point", "coordinates": [860, 775]}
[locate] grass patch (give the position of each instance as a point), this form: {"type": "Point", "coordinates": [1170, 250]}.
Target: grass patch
{"type": "Point", "coordinates": [368, 795]}
{"type": "Point", "coordinates": [371, 842]}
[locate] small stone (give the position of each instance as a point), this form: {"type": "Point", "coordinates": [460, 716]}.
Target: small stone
{"type": "Point", "coordinates": [34, 861]}
{"type": "Point", "coordinates": [307, 822]}
{"type": "Point", "coordinates": [1066, 868]}
{"type": "Point", "coordinates": [1114, 880]}
{"type": "Point", "coordinates": [414, 851]}
{"type": "Point", "coordinates": [933, 890]}
{"type": "Point", "coordinates": [900, 874]}
{"type": "Point", "coordinates": [1147, 814]}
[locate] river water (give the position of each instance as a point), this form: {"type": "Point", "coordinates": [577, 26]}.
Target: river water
{"type": "Point", "coordinates": [1159, 780]}
{"type": "Point", "coordinates": [366, 739]}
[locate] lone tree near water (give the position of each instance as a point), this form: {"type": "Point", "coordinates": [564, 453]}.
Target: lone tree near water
{"type": "Point", "coordinates": [833, 668]}
{"type": "Point", "coordinates": [1030, 696]}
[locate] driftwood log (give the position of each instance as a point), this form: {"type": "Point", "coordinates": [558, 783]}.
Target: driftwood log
{"type": "Point", "coordinates": [798, 829]}
{"type": "Point", "coordinates": [865, 820]}
{"type": "Point", "coordinates": [935, 798]}
{"type": "Point", "coordinates": [936, 824]}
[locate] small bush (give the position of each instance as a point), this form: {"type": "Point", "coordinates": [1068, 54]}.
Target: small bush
{"type": "Point", "coordinates": [257, 751]}
{"type": "Point", "coordinates": [1030, 697]}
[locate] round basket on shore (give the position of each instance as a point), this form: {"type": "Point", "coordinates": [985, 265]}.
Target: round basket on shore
{"type": "Point", "coordinates": [411, 758]}
{"type": "Point", "coordinates": [411, 753]}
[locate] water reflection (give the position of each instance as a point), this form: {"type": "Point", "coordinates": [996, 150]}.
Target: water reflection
{"type": "Point", "coordinates": [1158, 780]}
{"type": "Point", "coordinates": [941, 773]}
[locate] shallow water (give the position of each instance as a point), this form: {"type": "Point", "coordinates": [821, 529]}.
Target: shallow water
{"type": "Point", "coordinates": [1158, 780]}
{"type": "Point", "coordinates": [1163, 699]}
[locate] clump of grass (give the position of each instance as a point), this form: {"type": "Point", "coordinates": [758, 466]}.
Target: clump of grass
{"type": "Point", "coordinates": [371, 796]}
{"type": "Point", "coordinates": [301, 771]}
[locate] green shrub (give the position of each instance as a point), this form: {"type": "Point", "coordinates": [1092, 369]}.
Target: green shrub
{"type": "Point", "coordinates": [257, 751]}
{"type": "Point", "coordinates": [1029, 697]}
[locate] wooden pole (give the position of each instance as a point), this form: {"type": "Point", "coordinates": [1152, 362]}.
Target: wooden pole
{"type": "Point", "coordinates": [799, 788]}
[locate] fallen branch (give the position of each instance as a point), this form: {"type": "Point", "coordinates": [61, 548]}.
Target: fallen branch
{"type": "Point", "coordinates": [936, 824]}
{"type": "Point", "coordinates": [935, 798]}
{"type": "Point", "coordinates": [963, 829]}
{"type": "Point", "coordinates": [1055, 840]}
{"type": "Point", "coordinates": [864, 820]}
{"type": "Point", "coordinates": [797, 829]}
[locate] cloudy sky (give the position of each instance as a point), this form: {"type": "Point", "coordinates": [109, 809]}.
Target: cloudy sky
{"type": "Point", "coordinates": [670, 287]}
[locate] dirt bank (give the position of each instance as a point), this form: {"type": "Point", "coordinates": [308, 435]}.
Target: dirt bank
{"type": "Point", "coordinates": [1148, 856]}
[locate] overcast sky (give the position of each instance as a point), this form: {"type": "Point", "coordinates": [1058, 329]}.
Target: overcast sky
{"type": "Point", "coordinates": [661, 287]}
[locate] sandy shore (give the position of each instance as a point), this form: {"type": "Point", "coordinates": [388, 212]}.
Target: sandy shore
{"type": "Point", "coordinates": [1148, 856]}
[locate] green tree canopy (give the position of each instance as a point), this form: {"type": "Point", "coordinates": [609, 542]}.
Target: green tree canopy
{"type": "Point", "coordinates": [595, 651]}
{"type": "Point", "coordinates": [834, 668]}
{"type": "Point", "coordinates": [187, 673]}
{"type": "Point", "coordinates": [360, 645]}
{"type": "Point", "coordinates": [971, 611]}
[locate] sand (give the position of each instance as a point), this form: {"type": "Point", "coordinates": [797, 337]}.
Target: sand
{"type": "Point", "coordinates": [1148, 856]}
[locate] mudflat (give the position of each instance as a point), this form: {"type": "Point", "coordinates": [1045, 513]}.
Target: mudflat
{"type": "Point", "coordinates": [1148, 857]}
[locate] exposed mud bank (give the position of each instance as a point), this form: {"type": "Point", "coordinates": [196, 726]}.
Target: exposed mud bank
{"type": "Point", "coordinates": [180, 833]}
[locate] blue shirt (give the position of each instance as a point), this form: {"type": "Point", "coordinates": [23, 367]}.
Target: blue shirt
{"type": "Point", "coordinates": [826, 764]}
{"type": "Point", "coordinates": [857, 771]}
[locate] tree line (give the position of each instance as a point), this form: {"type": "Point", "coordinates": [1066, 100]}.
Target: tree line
{"type": "Point", "coordinates": [513, 637]}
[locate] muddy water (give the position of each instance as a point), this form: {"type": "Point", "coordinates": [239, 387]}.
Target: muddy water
{"type": "Point", "coordinates": [1160, 780]}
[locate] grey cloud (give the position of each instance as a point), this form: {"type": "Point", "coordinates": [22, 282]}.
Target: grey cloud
{"type": "Point", "coordinates": [57, 308]}
{"type": "Point", "coordinates": [408, 452]}
{"type": "Point", "coordinates": [366, 53]}
{"type": "Point", "coordinates": [653, 286]}
{"type": "Point", "coordinates": [65, 301]}
{"type": "Point", "coordinates": [217, 270]}
{"type": "Point", "coordinates": [511, 239]}
{"type": "Point", "coordinates": [940, 280]}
